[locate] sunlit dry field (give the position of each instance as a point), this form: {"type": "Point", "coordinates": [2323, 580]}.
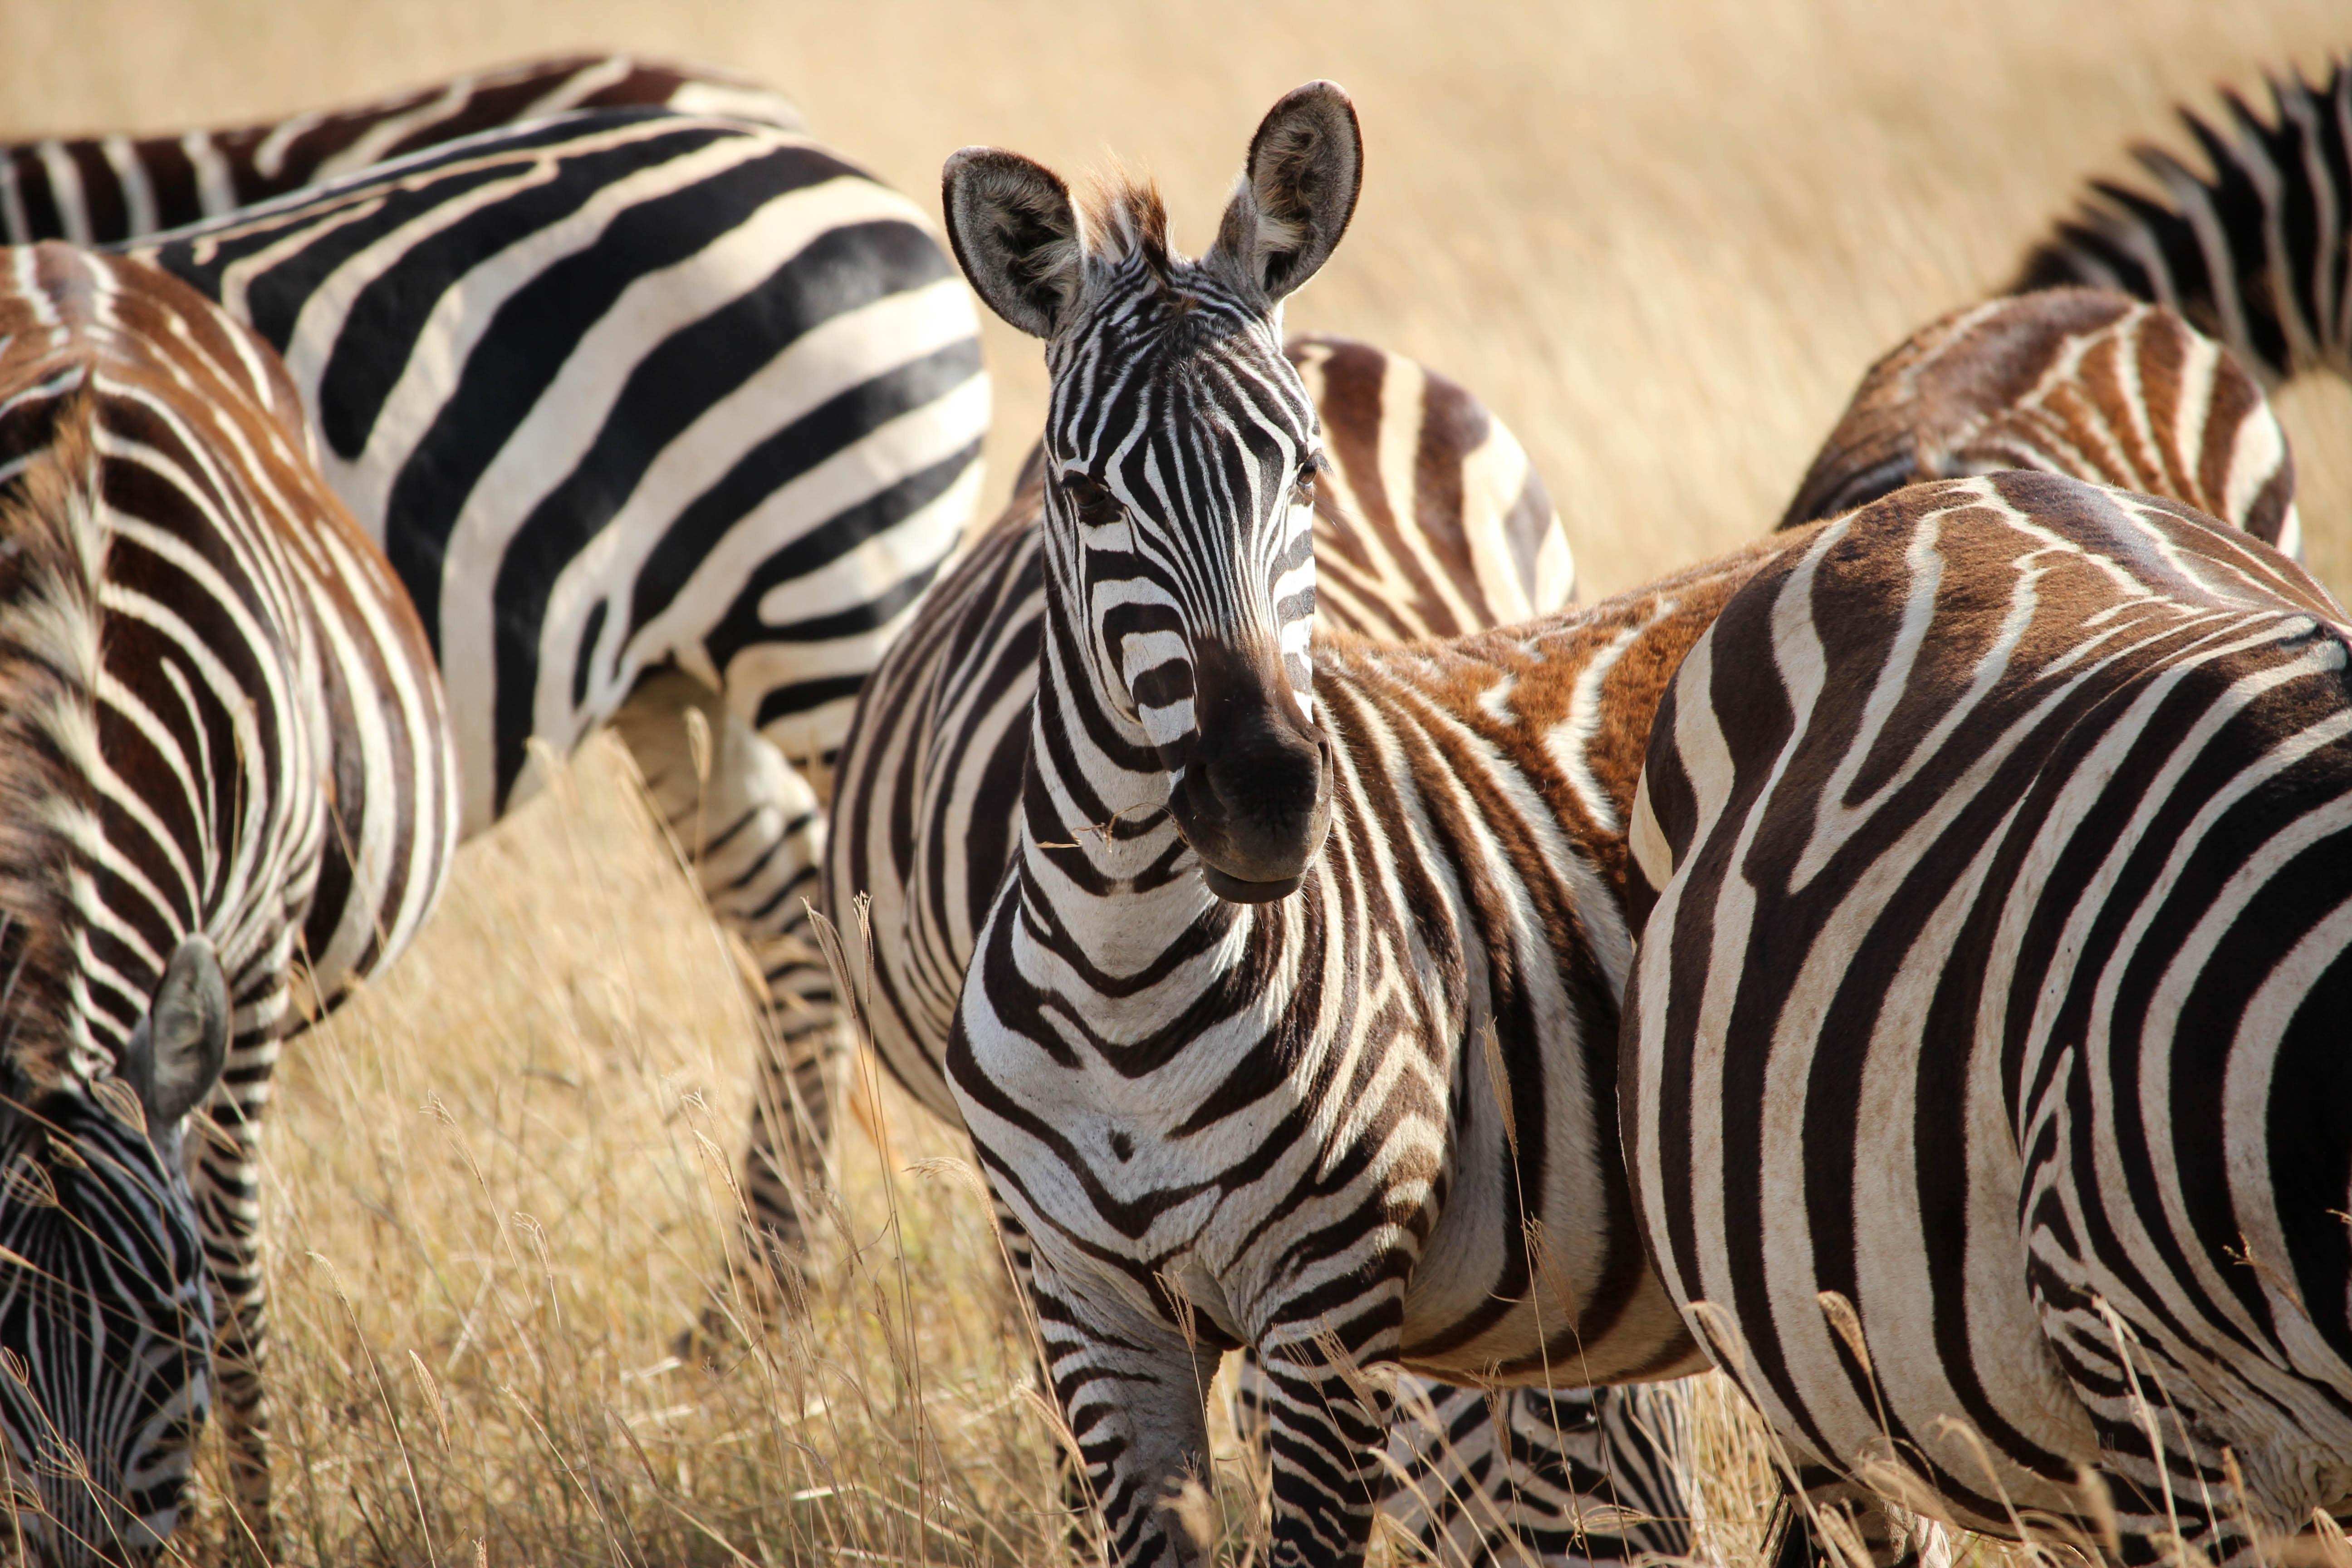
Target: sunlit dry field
{"type": "Point", "coordinates": [1661, 241]}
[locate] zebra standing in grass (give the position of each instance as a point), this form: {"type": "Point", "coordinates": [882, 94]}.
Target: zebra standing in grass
{"type": "Point", "coordinates": [230, 793]}
{"type": "Point", "coordinates": [664, 421]}
{"type": "Point", "coordinates": [97, 190]}
{"type": "Point", "coordinates": [2254, 254]}
{"type": "Point", "coordinates": [1984, 1080]}
{"type": "Point", "coordinates": [1429, 522]}
{"type": "Point", "coordinates": [1340, 1099]}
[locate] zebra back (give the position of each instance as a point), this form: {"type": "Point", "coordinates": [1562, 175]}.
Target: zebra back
{"type": "Point", "coordinates": [2082, 382]}
{"type": "Point", "coordinates": [2253, 252]}
{"type": "Point", "coordinates": [225, 755]}
{"type": "Point", "coordinates": [1983, 1071]}
{"type": "Point", "coordinates": [99, 190]}
{"type": "Point", "coordinates": [624, 388]}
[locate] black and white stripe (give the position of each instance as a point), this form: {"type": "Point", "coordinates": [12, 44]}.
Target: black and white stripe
{"type": "Point", "coordinates": [2254, 251]}
{"type": "Point", "coordinates": [97, 190]}
{"type": "Point", "coordinates": [230, 793]}
{"type": "Point", "coordinates": [1984, 1080]}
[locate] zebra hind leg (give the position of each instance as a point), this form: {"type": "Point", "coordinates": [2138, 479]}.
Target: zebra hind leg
{"type": "Point", "coordinates": [752, 828]}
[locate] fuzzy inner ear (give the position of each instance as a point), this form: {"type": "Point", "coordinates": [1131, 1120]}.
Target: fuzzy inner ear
{"type": "Point", "coordinates": [1298, 191]}
{"type": "Point", "coordinates": [1017, 235]}
{"type": "Point", "coordinates": [177, 1051]}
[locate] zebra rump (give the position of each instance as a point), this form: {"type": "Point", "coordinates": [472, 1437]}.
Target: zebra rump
{"type": "Point", "coordinates": [2083, 382]}
{"type": "Point", "coordinates": [1983, 1078]}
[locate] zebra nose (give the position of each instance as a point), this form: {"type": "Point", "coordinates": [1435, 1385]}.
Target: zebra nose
{"type": "Point", "coordinates": [1256, 799]}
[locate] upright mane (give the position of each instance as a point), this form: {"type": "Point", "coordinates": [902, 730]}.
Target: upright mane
{"type": "Point", "coordinates": [1125, 217]}
{"type": "Point", "coordinates": [51, 552]}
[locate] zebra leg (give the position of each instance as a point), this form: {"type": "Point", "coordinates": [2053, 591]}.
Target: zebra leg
{"type": "Point", "coordinates": [1327, 1408]}
{"type": "Point", "coordinates": [1565, 1477]}
{"type": "Point", "coordinates": [752, 828]}
{"type": "Point", "coordinates": [1135, 1392]}
{"type": "Point", "coordinates": [224, 1179]}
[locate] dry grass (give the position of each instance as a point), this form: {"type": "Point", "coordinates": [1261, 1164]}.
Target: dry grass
{"type": "Point", "coordinates": [1662, 241]}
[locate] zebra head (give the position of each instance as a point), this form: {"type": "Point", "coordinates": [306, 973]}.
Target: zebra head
{"type": "Point", "coordinates": [1180, 451]}
{"type": "Point", "coordinates": [106, 1321]}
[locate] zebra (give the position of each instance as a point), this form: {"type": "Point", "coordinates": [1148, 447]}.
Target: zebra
{"type": "Point", "coordinates": [1982, 1076]}
{"type": "Point", "coordinates": [2254, 254]}
{"type": "Point", "coordinates": [665, 422]}
{"type": "Point", "coordinates": [1290, 1024]}
{"type": "Point", "coordinates": [2084, 382]}
{"type": "Point", "coordinates": [231, 794]}
{"type": "Point", "coordinates": [100, 190]}
{"type": "Point", "coordinates": [1429, 522]}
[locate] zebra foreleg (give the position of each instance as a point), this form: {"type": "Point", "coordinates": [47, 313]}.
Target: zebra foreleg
{"type": "Point", "coordinates": [224, 1178]}
{"type": "Point", "coordinates": [1327, 1415]}
{"type": "Point", "coordinates": [1135, 1392]}
{"type": "Point", "coordinates": [754, 830]}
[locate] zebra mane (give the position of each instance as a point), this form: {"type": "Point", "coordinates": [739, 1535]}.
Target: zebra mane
{"type": "Point", "coordinates": [52, 550]}
{"type": "Point", "coordinates": [1125, 217]}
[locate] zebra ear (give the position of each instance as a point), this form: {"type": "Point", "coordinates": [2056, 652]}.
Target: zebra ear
{"type": "Point", "coordinates": [176, 1053]}
{"type": "Point", "coordinates": [1017, 235]}
{"type": "Point", "coordinates": [1296, 193]}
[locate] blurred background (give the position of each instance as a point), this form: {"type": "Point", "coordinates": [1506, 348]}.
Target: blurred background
{"type": "Point", "coordinates": [1662, 241]}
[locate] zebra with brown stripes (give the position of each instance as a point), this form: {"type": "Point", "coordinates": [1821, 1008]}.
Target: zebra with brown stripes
{"type": "Point", "coordinates": [230, 793]}
{"type": "Point", "coordinates": [2083, 382]}
{"type": "Point", "coordinates": [1983, 1080]}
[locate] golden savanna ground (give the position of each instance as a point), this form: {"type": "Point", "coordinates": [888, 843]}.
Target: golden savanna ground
{"type": "Point", "coordinates": [1662, 240]}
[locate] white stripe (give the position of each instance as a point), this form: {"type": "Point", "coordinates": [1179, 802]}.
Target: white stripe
{"type": "Point", "coordinates": [64, 191]}
{"type": "Point", "coordinates": [131, 175]}
{"type": "Point", "coordinates": [216, 190]}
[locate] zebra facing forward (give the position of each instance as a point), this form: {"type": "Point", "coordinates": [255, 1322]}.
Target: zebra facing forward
{"type": "Point", "coordinates": [97, 190]}
{"type": "Point", "coordinates": [1429, 521]}
{"type": "Point", "coordinates": [1984, 1080]}
{"type": "Point", "coordinates": [2254, 254]}
{"type": "Point", "coordinates": [1292, 1023]}
{"type": "Point", "coordinates": [230, 784]}
{"type": "Point", "coordinates": [655, 415]}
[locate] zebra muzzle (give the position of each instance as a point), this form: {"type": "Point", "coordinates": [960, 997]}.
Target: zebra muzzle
{"type": "Point", "coordinates": [1255, 800]}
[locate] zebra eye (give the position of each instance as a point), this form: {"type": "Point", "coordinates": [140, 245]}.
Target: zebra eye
{"type": "Point", "coordinates": [1095, 506]}
{"type": "Point", "coordinates": [1302, 489]}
